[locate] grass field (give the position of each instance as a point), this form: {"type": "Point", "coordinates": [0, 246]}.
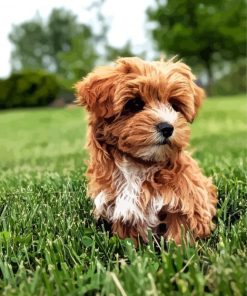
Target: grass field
{"type": "Point", "coordinates": [49, 243]}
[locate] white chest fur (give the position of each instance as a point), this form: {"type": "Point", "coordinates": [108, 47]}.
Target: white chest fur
{"type": "Point", "coordinates": [128, 182]}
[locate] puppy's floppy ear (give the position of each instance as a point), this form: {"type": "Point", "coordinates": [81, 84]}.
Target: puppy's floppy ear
{"type": "Point", "coordinates": [199, 96]}
{"type": "Point", "coordinates": [182, 87]}
{"type": "Point", "coordinates": [96, 91]}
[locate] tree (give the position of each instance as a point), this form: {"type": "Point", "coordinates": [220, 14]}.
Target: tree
{"type": "Point", "coordinates": [30, 49]}
{"type": "Point", "coordinates": [79, 60]}
{"type": "Point", "coordinates": [62, 45]}
{"type": "Point", "coordinates": [203, 32]}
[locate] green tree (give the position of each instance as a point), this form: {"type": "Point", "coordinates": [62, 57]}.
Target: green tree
{"type": "Point", "coordinates": [79, 60]}
{"type": "Point", "coordinates": [61, 45]}
{"type": "Point", "coordinates": [201, 31]}
{"type": "Point", "coordinates": [30, 45]}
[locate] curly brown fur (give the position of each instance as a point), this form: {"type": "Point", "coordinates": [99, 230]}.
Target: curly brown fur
{"type": "Point", "coordinates": [140, 175]}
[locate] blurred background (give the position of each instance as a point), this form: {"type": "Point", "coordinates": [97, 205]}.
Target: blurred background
{"type": "Point", "coordinates": [46, 46]}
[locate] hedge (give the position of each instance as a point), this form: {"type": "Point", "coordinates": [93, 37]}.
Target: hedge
{"type": "Point", "coordinates": [28, 89]}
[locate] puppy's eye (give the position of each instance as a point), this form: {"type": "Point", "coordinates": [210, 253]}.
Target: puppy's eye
{"type": "Point", "coordinates": [133, 106]}
{"type": "Point", "coordinates": [176, 107]}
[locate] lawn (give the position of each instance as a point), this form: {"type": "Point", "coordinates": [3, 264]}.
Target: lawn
{"type": "Point", "coordinates": [49, 241]}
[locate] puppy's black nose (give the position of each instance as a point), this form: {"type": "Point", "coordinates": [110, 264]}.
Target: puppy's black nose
{"type": "Point", "coordinates": [165, 128]}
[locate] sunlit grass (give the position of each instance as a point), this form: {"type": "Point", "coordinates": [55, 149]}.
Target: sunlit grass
{"type": "Point", "coordinates": [49, 242]}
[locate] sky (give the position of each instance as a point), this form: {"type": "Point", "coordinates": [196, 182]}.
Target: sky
{"type": "Point", "coordinates": [126, 19]}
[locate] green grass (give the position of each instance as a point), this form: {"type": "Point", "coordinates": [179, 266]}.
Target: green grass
{"type": "Point", "coordinates": [49, 243]}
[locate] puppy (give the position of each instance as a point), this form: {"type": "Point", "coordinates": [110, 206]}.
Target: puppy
{"type": "Point", "coordinates": [140, 176]}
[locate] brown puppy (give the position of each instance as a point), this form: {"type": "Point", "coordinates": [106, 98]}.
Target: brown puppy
{"type": "Point", "coordinates": [140, 175]}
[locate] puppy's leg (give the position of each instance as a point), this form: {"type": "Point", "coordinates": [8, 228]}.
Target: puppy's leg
{"type": "Point", "coordinates": [138, 233]}
{"type": "Point", "coordinates": [205, 200]}
{"type": "Point", "coordinates": [176, 226]}
{"type": "Point", "coordinates": [193, 204]}
{"type": "Point", "coordinates": [195, 221]}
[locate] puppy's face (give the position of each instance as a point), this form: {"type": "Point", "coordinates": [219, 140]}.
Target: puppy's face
{"type": "Point", "coordinates": [141, 108]}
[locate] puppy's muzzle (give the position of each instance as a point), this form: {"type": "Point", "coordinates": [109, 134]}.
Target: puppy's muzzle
{"type": "Point", "coordinates": [166, 129]}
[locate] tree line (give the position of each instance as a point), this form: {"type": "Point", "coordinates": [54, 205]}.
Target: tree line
{"type": "Point", "coordinates": [209, 35]}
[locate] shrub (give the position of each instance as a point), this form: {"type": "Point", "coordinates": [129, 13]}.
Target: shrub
{"type": "Point", "coordinates": [28, 89]}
